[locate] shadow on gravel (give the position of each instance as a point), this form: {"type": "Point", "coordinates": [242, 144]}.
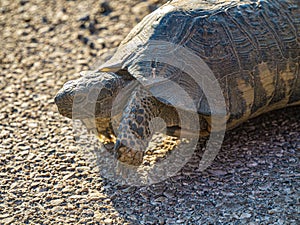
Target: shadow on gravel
{"type": "Point", "coordinates": [255, 178]}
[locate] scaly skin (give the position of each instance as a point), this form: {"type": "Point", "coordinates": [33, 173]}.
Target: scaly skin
{"type": "Point", "coordinates": [251, 46]}
{"type": "Point", "coordinates": [73, 102]}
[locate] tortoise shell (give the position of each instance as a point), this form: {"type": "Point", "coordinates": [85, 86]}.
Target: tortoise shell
{"type": "Point", "coordinates": [250, 47]}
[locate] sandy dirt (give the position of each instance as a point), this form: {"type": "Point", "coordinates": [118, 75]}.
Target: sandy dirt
{"type": "Point", "coordinates": [44, 175]}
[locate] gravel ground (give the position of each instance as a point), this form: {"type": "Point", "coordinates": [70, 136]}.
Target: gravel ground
{"type": "Point", "coordinates": [44, 175]}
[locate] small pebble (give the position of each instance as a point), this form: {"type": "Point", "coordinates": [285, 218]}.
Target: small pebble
{"type": "Point", "coordinates": [105, 8]}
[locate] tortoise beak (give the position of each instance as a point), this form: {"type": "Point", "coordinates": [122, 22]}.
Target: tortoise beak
{"type": "Point", "coordinates": [64, 102]}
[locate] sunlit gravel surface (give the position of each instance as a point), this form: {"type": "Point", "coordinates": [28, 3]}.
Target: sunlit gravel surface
{"type": "Point", "coordinates": [44, 175]}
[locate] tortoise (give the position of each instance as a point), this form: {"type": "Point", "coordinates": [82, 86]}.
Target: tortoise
{"type": "Point", "coordinates": [251, 47]}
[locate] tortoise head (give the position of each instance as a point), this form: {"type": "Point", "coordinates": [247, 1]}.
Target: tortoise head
{"type": "Point", "coordinates": [90, 96]}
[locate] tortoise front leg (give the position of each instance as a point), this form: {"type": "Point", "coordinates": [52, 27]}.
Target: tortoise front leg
{"type": "Point", "coordinates": [138, 125]}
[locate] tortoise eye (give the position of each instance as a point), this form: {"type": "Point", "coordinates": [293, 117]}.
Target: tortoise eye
{"type": "Point", "coordinates": [108, 86]}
